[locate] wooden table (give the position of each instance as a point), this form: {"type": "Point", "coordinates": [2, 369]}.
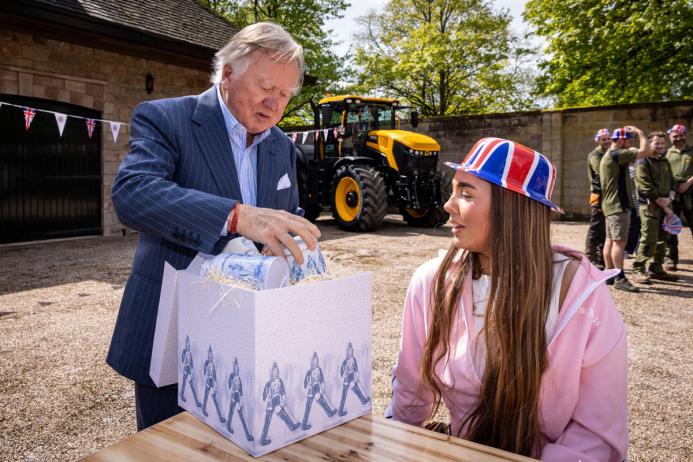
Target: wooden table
{"type": "Point", "coordinates": [368, 438]}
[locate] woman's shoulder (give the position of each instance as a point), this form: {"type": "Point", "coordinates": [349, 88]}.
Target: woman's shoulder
{"type": "Point", "coordinates": [427, 270]}
{"type": "Point", "coordinates": [425, 273]}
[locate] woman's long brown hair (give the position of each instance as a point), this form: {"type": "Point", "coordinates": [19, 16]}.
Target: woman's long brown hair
{"type": "Point", "coordinates": [507, 415]}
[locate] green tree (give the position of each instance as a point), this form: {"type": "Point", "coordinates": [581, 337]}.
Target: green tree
{"type": "Point", "coordinates": [305, 20]}
{"type": "Point", "coordinates": [443, 56]}
{"type": "Point", "coordinates": [614, 51]}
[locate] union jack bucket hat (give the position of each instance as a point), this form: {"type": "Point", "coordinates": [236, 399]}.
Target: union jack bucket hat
{"type": "Point", "coordinates": [621, 134]}
{"type": "Point", "coordinates": [678, 128]}
{"type": "Point", "coordinates": [601, 132]}
{"type": "Point", "coordinates": [512, 166]}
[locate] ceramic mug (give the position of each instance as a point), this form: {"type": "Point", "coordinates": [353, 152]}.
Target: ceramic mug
{"type": "Point", "coordinates": [261, 272]}
{"type": "Point", "coordinates": [313, 261]}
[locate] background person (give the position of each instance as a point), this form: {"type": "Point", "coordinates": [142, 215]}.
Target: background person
{"type": "Point", "coordinates": [541, 368]}
{"type": "Point", "coordinates": [201, 170]}
{"type": "Point", "coordinates": [596, 233]}
{"type": "Point", "coordinates": [680, 157]}
{"type": "Point", "coordinates": [655, 189]}
{"type": "Point", "coordinates": [617, 200]}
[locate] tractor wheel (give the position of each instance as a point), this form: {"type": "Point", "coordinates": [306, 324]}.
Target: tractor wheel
{"type": "Point", "coordinates": [431, 218]}
{"type": "Point", "coordinates": [359, 198]}
{"type": "Point", "coordinates": [310, 208]}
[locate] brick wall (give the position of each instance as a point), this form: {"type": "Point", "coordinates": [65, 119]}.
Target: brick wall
{"type": "Point", "coordinates": [112, 83]}
{"type": "Point", "coordinates": [565, 136]}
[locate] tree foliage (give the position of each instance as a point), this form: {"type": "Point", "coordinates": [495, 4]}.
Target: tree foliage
{"type": "Point", "coordinates": [444, 56]}
{"type": "Point", "coordinates": [614, 51]}
{"type": "Point", "coordinates": [305, 20]}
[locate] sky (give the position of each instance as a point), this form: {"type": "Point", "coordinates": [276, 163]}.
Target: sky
{"type": "Point", "coordinates": [345, 27]}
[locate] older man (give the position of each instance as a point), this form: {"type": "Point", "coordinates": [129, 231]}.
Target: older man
{"type": "Point", "coordinates": [596, 232]}
{"type": "Point", "coordinates": [617, 200]}
{"type": "Point", "coordinates": [680, 157]}
{"type": "Point", "coordinates": [201, 170]}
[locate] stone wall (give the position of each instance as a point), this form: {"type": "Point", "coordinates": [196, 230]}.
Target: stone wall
{"type": "Point", "coordinates": [565, 136]}
{"type": "Point", "coordinates": [112, 83]}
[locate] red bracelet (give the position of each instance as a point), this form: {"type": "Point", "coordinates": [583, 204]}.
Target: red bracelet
{"type": "Point", "coordinates": [234, 219]}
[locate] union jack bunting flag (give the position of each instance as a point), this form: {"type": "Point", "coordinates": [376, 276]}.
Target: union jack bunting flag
{"type": "Point", "coordinates": [512, 166]}
{"type": "Point", "coordinates": [90, 126]}
{"type": "Point", "coordinates": [602, 132]}
{"type": "Point", "coordinates": [29, 115]}
{"type": "Point", "coordinates": [672, 224]}
{"type": "Point", "coordinates": [678, 128]}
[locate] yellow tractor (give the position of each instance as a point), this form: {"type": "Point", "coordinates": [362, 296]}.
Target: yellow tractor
{"type": "Point", "coordinates": [357, 162]}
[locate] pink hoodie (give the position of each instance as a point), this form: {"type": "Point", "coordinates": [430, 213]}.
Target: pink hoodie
{"type": "Point", "coordinates": [584, 391]}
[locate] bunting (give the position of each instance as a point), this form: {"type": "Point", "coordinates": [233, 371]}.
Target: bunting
{"type": "Point", "coordinates": [90, 126]}
{"type": "Point", "coordinates": [61, 119]}
{"type": "Point", "coordinates": [326, 133]}
{"type": "Point", "coordinates": [115, 129]}
{"type": "Point", "coordinates": [29, 114]}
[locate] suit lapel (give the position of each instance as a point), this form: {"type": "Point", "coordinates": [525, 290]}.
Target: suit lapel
{"type": "Point", "coordinates": [266, 172]}
{"type": "Point", "coordinates": [213, 140]}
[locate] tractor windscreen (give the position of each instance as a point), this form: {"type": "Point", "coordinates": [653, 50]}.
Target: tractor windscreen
{"type": "Point", "coordinates": [369, 117]}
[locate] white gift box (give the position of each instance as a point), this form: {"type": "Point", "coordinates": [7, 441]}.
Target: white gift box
{"type": "Point", "coordinates": [267, 368]}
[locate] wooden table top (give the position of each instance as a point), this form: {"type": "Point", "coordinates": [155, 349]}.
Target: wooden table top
{"type": "Point", "coordinates": [368, 438]}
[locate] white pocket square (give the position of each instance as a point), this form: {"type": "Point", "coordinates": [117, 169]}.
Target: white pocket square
{"type": "Point", "coordinates": [284, 182]}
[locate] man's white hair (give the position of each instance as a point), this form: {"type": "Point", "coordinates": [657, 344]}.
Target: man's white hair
{"type": "Point", "coordinates": [266, 37]}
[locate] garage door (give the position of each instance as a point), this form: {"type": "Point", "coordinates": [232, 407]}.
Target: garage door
{"type": "Point", "coordinates": [50, 186]}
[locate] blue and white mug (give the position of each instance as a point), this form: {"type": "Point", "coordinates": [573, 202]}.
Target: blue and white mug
{"type": "Point", "coordinates": [313, 261]}
{"type": "Point", "coordinates": [261, 272]}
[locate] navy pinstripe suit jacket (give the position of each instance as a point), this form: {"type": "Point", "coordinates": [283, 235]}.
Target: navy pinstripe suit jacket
{"type": "Point", "coordinates": [176, 186]}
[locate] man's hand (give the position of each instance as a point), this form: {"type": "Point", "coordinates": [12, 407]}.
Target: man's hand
{"type": "Point", "coordinates": [272, 227]}
{"type": "Point", "coordinates": [644, 146]}
{"type": "Point", "coordinates": [683, 187]}
{"type": "Point", "coordinates": [663, 201]}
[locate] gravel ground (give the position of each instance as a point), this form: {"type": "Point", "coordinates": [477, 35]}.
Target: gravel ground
{"type": "Point", "coordinates": [59, 300]}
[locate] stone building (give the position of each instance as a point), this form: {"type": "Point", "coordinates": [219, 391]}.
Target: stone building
{"type": "Point", "coordinates": [93, 59]}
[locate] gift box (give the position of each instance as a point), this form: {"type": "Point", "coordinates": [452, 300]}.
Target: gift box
{"type": "Point", "coordinates": [267, 368]}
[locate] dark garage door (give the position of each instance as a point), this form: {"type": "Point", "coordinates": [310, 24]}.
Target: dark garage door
{"type": "Point", "coordinates": [50, 186]}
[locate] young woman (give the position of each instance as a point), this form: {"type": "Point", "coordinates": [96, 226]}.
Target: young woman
{"type": "Point", "coordinates": [539, 368]}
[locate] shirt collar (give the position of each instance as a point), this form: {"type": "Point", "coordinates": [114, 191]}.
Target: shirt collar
{"type": "Point", "coordinates": [234, 127]}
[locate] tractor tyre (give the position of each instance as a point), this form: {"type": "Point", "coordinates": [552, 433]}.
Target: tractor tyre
{"type": "Point", "coordinates": [310, 208]}
{"type": "Point", "coordinates": [433, 217]}
{"type": "Point", "coordinates": [359, 198]}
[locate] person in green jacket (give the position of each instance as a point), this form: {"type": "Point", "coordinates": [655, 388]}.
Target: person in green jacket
{"type": "Point", "coordinates": [680, 157]}
{"type": "Point", "coordinates": [655, 191]}
{"type": "Point", "coordinates": [617, 200]}
{"type": "Point", "coordinates": [596, 233]}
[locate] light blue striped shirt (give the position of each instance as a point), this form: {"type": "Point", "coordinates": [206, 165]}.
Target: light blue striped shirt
{"type": "Point", "coordinates": [244, 157]}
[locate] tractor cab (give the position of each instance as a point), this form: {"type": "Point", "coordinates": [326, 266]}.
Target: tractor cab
{"type": "Point", "coordinates": [362, 165]}
{"type": "Point", "coordinates": [353, 118]}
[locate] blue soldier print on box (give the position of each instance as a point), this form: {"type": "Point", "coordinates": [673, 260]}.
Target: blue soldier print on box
{"type": "Point", "coordinates": [210, 374]}
{"type": "Point", "coordinates": [315, 383]}
{"type": "Point", "coordinates": [188, 368]}
{"type": "Point", "coordinates": [350, 372]}
{"type": "Point", "coordinates": [236, 388]}
{"type": "Point", "coordinates": [275, 396]}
